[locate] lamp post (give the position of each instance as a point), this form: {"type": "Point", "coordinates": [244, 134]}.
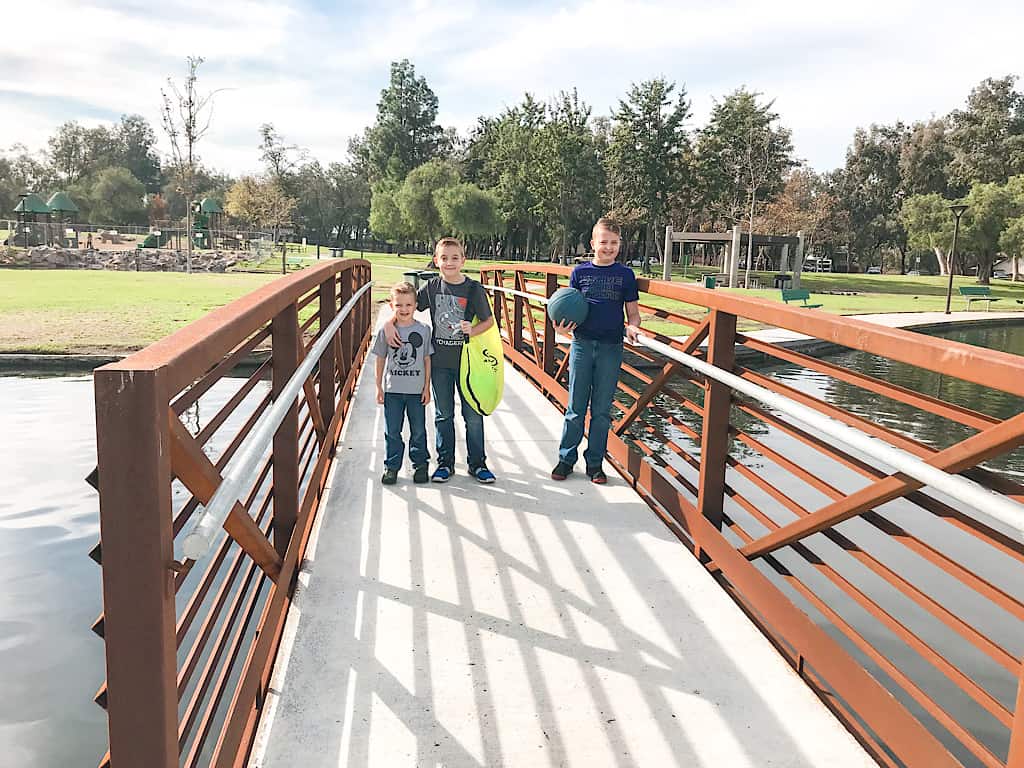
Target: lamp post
{"type": "Point", "coordinates": [24, 219]}
{"type": "Point", "coordinates": [958, 211]}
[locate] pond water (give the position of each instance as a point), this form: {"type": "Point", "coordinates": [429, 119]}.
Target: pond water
{"type": "Point", "coordinates": [51, 664]}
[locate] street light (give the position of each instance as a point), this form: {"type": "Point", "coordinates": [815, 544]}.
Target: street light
{"type": "Point", "coordinates": [24, 220]}
{"type": "Point", "coordinates": [958, 211]}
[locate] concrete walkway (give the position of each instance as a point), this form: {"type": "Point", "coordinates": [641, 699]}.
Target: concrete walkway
{"type": "Point", "coordinates": [526, 623]}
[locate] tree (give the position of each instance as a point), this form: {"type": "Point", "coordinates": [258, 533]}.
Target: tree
{"type": "Point", "coordinates": [929, 226]}
{"type": "Point", "coordinates": [186, 116]}
{"type": "Point", "coordinates": [260, 202]}
{"type": "Point", "coordinates": [989, 208]}
{"type": "Point", "coordinates": [468, 211]}
{"type": "Point", "coordinates": [568, 178]}
{"type": "Point", "coordinates": [335, 199]}
{"type": "Point", "coordinates": [136, 150]}
{"type": "Point", "coordinates": [20, 172]}
{"type": "Point", "coordinates": [649, 154]}
{"type": "Point", "coordinates": [406, 133]}
{"type": "Point", "coordinates": [1011, 241]}
{"type": "Point", "coordinates": [925, 157]}
{"type": "Point", "coordinates": [69, 153]}
{"type": "Point", "coordinates": [416, 198]}
{"type": "Point", "coordinates": [117, 197]}
{"type": "Point", "coordinates": [988, 136]}
{"type": "Point", "coordinates": [386, 218]}
{"type": "Point", "coordinates": [806, 204]}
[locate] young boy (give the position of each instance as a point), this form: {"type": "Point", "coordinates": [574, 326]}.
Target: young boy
{"type": "Point", "coordinates": [403, 386]}
{"type": "Point", "coordinates": [595, 356]}
{"type": "Point", "coordinates": [458, 309]}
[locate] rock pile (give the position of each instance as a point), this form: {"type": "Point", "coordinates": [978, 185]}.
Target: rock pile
{"type": "Point", "coordinates": [136, 260]}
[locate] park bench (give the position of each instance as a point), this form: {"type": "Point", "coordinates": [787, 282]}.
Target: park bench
{"type": "Point", "coordinates": [978, 293]}
{"type": "Point", "coordinates": [798, 294]}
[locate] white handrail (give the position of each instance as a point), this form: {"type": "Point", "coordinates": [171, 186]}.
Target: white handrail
{"type": "Point", "coordinates": [514, 292]}
{"type": "Point", "coordinates": [210, 519]}
{"type": "Point", "coordinates": [976, 496]}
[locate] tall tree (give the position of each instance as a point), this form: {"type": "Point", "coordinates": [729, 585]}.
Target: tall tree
{"type": "Point", "coordinates": [136, 150]}
{"type": "Point", "coordinates": [925, 158]}
{"type": "Point", "coordinates": [988, 136]}
{"type": "Point", "coordinates": [117, 197]}
{"type": "Point", "coordinates": [406, 133]}
{"type": "Point", "coordinates": [468, 211]}
{"type": "Point", "coordinates": [929, 226]}
{"type": "Point", "coordinates": [69, 153]}
{"type": "Point", "coordinates": [989, 208]}
{"type": "Point", "coordinates": [416, 198]}
{"type": "Point", "coordinates": [649, 151]}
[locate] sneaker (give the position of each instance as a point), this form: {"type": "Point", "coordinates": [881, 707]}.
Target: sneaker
{"type": "Point", "coordinates": [390, 476]}
{"type": "Point", "coordinates": [597, 475]}
{"type": "Point", "coordinates": [419, 474]}
{"type": "Point", "coordinates": [483, 474]}
{"type": "Point", "coordinates": [561, 471]}
{"type": "Point", "coordinates": [441, 475]}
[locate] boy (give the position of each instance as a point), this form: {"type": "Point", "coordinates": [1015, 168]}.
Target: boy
{"type": "Point", "coordinates": [453, 299]}
{"type": "Point", "coordinates": [403, 386]}
{"type": "Point", "coordinates": [595, 356]}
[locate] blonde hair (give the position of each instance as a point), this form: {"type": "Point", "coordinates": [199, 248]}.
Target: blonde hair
{"type": "Point", "coordinates": [604, 222]}
{"type": "Point", "coordinates": [404, 287]}
{"type": "Point", "coordinates": [448, 241]}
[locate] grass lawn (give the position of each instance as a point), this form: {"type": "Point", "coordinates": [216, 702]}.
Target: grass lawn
{"type": "Point", "coordinates": [59, 311]}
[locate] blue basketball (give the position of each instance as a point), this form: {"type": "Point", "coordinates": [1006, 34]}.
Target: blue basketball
{"type": "Point", "coordinates": [567, 305]}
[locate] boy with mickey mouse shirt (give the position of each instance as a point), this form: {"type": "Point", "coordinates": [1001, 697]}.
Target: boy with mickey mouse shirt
{"type": "Point", "coordinates": [403, 386]}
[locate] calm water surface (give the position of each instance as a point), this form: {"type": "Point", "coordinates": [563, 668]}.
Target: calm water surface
{"type": "Point", "coordinates": [51, 664]}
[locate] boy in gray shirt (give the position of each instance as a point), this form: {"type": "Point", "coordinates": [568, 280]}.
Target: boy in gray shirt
{"type": "Point", "coordinates": [403, 386]}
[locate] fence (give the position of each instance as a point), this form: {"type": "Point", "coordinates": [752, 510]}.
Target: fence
{"type": "Point", "coordinates": [190, 644]}
{"type": "Point", "coordinates": [906, 620]}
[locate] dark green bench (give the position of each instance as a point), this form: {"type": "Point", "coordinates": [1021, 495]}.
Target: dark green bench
{"type": "Point", "coordinates": [978, 293]}
{"type": "Point", "coordinates": [798, 294]}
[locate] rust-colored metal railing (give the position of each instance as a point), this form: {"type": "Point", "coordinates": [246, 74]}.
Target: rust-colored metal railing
{"type": "Point", "coordinates": [907, 621]}
{"type": "Point", "coordinates": [190, 644]}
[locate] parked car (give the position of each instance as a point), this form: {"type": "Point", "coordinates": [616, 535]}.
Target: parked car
{"type": "Point", "coordinates": [914, 273]}
{"type": "Point", "coordinates": [874, 270]}
{"type": "Point", "coordinates": [1001, 274]}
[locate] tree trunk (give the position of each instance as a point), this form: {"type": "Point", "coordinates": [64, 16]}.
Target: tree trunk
{"type": "Point", "coordinates": [750, 237]}
{"type": "Point", "coordinates": [1015, 269]}
{"type": "Point", "coordinates": [647, 249]}
{"type": "Point", "coordinates": [943, 260]}
{"type": "Point", "coordinates": [529, 241]}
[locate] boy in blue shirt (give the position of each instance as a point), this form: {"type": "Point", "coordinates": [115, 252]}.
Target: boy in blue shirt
{"type": "Point", "coordinates": [595, 356]}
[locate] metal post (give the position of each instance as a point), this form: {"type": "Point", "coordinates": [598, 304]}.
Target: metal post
{"type": "Point", "coordinates": [345, 365]}
{"type": "Point", "coordinates": [328, 310]}
{"type": "Point", "coordinates": [714, 442]}
{"type": "Point", "coordinates": [133, 449]}
{"type": "Point", "coordinates": [285, 338]}
{"type": "Point", "coordinates": [666, 267]}
{"type": "Point", "coordinates": [734, 257]}
{"type": "Point", "coordinates": [798, 264]}
{"type": "Point", "coordinates": [548, 362]}
{"type": "Point", "coordinates": [958, 211]}
{"type": "Point", "coordinates": [1016, 757]}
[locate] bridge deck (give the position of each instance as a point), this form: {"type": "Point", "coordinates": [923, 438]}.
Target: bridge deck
{"type": "Point", "coordinates": [520, 624]}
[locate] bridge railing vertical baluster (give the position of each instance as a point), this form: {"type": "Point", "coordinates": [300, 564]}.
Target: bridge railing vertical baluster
{"type": "Point", "coordinates": [134, 452]}
{"type": "Point", "coordinates": [1016, 756]}
{"type": "Point", "coordinates": [550, 286]}
{"type": "Point", "coordinates": [328, 310]}
{"type": "Point", "coordinates": [714, 443]}
{"type": "Point", "coordinates": [285, 340]}
{"type": "Point", "coordinates": [519, 307]}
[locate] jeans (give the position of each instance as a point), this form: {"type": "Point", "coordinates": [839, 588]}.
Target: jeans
{"type": "Point", "coordinates": [444, 381]}
{"type": "Point", "coordinates": [396, 407]}
{"type": "Point", "coordinates": [593, 376]}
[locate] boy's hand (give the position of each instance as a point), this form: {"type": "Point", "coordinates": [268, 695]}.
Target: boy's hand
{"type": "Point", "coordinates": [631, 332]}
{"type": "Point", "coordinates": [391, 335]}
{"type": "Point", "coordinates": [565, 328]}
{"type": "Point", "coordinates": [425, 397]}
{"type": "Point", "coordinates": [380, 396]}
{"type": "Point", "coordinates": [465, 326]}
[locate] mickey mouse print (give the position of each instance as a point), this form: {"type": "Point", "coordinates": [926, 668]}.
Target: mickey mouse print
{"type": "Point", "coordinates": [405, 368]}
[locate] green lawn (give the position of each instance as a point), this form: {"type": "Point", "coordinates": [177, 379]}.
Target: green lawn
{"type": "Point", "coordinates": [56, 311]}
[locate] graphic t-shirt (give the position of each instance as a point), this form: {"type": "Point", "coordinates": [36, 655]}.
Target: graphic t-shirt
{"type": "Point", "coordinates": [405, 369]}
{"type": "Point", "coordinates": [607, 289]}
{"type": "Point", "coordinates": [450, 305]}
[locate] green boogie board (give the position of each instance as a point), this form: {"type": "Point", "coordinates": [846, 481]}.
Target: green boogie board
{"type": "Point", "coordinates": [482, 371]}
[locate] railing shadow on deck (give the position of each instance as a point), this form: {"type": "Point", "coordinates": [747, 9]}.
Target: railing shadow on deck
{"type": "Point", "coordinates": [190, 645]}
{"type": "Point", "coordinates": [381, 584]}
{"type": "Point", "coordinates": [869, 584]}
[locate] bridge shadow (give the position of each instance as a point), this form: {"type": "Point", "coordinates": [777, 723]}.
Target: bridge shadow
{"type": "Point", "coordinates": [520, 624]}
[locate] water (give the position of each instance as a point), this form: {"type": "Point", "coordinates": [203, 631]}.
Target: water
{"type": "Point", "coordinates": [51, 664]}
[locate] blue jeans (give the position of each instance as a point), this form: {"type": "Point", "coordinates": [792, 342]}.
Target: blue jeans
{"type": "Point", "coordinates": [593, 376]}
{"type": "Point", "coordinates": [396, 407]}
{"type": "Point", "coordinates": [444, 381]}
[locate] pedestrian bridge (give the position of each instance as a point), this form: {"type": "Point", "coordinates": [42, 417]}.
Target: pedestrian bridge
{"type": "Point", "coordinates": [724, 600]}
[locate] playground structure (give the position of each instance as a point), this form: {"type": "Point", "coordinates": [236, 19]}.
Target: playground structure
{"type": "Point", "coordinates": [735, 245]}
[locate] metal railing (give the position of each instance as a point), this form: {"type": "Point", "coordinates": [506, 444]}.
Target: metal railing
{"type": "Point", "coordinates": [190, 642]}
{"type": "Point", "coordinates": [898, 604]}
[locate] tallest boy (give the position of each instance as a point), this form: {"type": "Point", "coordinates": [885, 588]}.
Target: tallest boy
{"type": "Point", "coordinates": [596, 353]}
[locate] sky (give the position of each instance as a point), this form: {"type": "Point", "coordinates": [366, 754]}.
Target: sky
{"type": "Point", "coordinates": [315, 68]}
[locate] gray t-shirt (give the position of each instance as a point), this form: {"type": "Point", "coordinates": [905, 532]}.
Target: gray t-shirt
{"type": "Point", "coordinates": [450, 305]}
{"type": "Point", "coordinates": [404, 370]}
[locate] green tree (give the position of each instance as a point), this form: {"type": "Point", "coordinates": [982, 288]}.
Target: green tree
{"type": "Point", "coordinates": [468, 211]}
{"type": "Point", "coordinates": [416, 198]}
{"type": "Point", "coordinates": [1012, 243]}
{"type": "Point", "coordinates": [988, 136]}
{"type": "Point", "coordinates": [925, 158]}
{"type": "Point", "coordinates": [117, 197]}
{"type": "Point", "coordinates": [69, 153]}
{"type": "Point", "coordinates": [989, 208]}
{"type": "Point", "coordinates": [386, 218]}
{"type": "Point", "coordinates": [929, 226]}
{"type": "Point", "coordinates": [568, 178]}
{"type": "Point", "coordinates": [649, 155]}
{"type": "Point", "coordinates": [406, 133]}
{"type": "Point", "coordinates": [135, 143]}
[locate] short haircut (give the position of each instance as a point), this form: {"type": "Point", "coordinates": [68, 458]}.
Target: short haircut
{"type": "Point", "coordinates": [449, 241]}
{"type": "Point", "coordinates": [404, 287]}
{"type": "Point", "coordinates": [610, 224]}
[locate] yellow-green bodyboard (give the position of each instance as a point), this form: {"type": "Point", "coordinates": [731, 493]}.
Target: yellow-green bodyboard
{"type": "Point", "coordinates": [482, 371]}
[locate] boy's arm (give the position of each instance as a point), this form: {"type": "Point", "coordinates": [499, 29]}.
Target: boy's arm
{"type": "Point", "coordinates": [481, 309]}
{"type": "Point", "coordinates": [380, 379]}
{"type": "Point", "coordinates": [632, 320]}
{"type": "Point", "coordinates": [425, 397]}
{"type": "Point", "coordinates": [475, 330]}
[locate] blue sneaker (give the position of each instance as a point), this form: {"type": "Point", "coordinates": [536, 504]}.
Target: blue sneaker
{"type": "Point", "coordinates": [441, 475]}
{"type": "Point", "coordinates": [483, 474]}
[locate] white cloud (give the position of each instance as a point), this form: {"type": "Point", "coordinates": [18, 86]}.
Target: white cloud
{"type": "Point", "coordinates": [316, 73]}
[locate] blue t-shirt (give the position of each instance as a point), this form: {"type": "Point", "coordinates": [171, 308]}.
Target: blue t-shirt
{"type": "Point", "coordinates": [607, 289]}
